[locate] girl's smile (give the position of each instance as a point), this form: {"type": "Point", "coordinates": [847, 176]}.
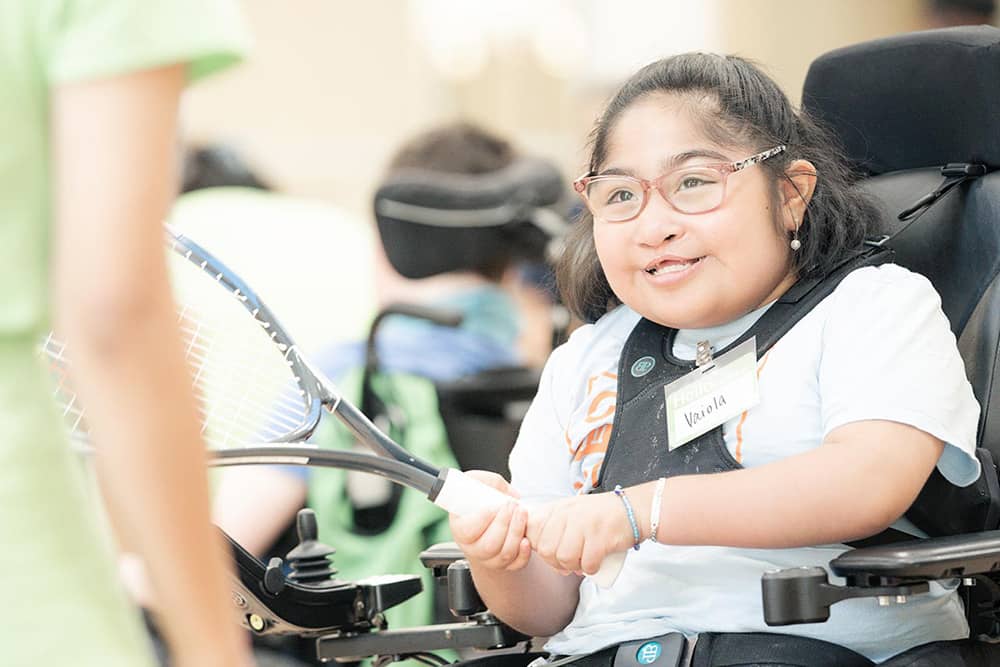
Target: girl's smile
{"type": "Point", "coordinates": [691, 270]}
{"type": "Point", "coordinates": [669, 269]}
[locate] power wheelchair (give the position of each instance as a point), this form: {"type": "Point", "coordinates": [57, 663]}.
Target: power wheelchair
{"type": "Point", "coordinates": [918, 114]}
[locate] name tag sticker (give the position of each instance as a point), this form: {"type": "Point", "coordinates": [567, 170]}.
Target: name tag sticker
{"type": "Point", "coordinates": [712, 394]}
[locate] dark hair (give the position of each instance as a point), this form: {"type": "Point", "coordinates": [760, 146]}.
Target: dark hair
{"type": "Point", "coordinates": [736, 103]}
{"type": "Point", "coordinates": [460, 148]}
{"type": "Point", "coordinates": [217, 166]}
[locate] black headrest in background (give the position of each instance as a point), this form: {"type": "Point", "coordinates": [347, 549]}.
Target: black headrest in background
{"type": "Point", "coordinates": [431, 222]}
{"type": "Point", "coordinates": [921, 99]}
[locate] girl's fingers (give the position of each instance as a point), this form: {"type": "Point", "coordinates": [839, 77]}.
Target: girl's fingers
{"type": "Point", "coordinates": [547, 540]}
{"type": "Point", "coordinates": [469, 528]}
{"type": "Point", "coordinates": [515, 533]}
{"type": "Point", "coordinates": [592, 557]}
{"type": "Point", "coordinates": [489, 544]}
{"type": "Point", "coordinates": [523, 555]}
{"type": "Point", "coordinates": [536, 524]}
{"type": "Point", "coordinates": [570, 549]}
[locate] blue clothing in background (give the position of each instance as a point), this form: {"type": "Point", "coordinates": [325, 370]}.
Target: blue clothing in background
{"type": "Point", "coordinates": [486, 338]}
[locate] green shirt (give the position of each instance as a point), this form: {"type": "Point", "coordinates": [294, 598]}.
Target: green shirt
{"type": "Point", "coordinates": [63, 603]}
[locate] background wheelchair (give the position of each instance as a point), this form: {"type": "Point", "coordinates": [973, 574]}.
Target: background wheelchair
{"type": "Point", "coordinates": [918, 114]}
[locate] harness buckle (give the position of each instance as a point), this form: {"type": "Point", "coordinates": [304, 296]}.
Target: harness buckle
{"type": "Point", "coordinates": [703, 353]}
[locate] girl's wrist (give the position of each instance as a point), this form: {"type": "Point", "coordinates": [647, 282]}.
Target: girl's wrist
{"type": "Point", "coordinates": [642, 499]}
{"type": "Point", "coordinates": [633, 520]}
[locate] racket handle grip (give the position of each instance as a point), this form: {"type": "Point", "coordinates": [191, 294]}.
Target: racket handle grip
{"type": "Point", "coordinates": [462, 495]}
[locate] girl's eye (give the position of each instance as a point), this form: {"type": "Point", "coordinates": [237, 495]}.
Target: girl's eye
{"type": "Point", "coordinates": [620, 196]}
{"type": "Point", "coordinates": [689, 182]}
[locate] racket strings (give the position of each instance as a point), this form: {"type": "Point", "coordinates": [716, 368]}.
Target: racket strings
{"type": "Point", "coordinates": [200, 356]}
{"type": "Point", "coordinates": [265, 404]}
{"type": "Point", "coordinates": [244, 378]}
{"type": "Point", "coordinates": [55, 351]}
{"type": "Point", "coordinates": [246, 381]}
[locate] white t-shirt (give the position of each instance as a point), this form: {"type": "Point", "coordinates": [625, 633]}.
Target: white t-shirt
{"type": "Point", "coordinates": [879, 347]}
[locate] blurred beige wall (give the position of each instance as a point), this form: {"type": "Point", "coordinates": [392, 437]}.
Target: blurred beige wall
{"type": "Point", "coordinates": [786, 35]}
{"type": "Point", "coordinates": [329, 88]}
{"type": "Point", "coordinates": [333, 86]}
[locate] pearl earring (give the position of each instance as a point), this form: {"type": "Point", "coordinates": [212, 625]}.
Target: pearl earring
{"type": "Point", "coordinates": [796, 243]}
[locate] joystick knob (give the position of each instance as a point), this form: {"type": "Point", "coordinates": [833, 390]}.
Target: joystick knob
{"type": "Point", "coordinates": [310, 560]}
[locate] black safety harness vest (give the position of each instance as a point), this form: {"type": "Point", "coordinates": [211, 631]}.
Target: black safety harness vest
{"type": "Point", "coordinates": [638, 450]}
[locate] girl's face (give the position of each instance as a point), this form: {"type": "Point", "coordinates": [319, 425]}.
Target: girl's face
{"type": "Point", "coordinates": [691, 270]}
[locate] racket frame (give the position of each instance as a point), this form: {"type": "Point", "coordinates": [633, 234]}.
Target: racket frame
{"type": "Point", "coordinates": [318, 392]}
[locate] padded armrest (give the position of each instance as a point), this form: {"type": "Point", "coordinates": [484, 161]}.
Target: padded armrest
{"type": "Point", "coordinates": [439, 556]}
{"type": "Point", "coordinates": [935, 558]}
{"type": "Point", "coordinates": [892, 572]}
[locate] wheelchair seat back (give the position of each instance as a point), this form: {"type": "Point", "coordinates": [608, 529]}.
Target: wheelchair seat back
{"type": "Point", "coordinates": [905, 108]}
{"type": "Point", "coordinates": [482, 415]}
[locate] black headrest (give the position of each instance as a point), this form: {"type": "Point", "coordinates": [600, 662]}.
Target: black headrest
{"type": "Point", "coordinates": [920, 99]}
{"type": "Point", "coordinates": [431, 222]}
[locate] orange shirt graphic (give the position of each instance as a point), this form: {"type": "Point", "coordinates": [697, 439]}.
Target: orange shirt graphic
{"type": "Point", "coordinates": [589, 443]}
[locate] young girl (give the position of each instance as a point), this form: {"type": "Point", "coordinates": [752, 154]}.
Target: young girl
{"type": "Point", "coordinates": [710, 197]}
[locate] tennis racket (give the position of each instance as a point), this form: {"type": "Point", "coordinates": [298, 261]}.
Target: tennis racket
{"type": "Point", "coordinates": [261, 399]}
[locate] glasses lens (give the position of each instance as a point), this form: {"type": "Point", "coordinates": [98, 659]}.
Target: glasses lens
{"type": "Point", "coordinates": [694, 190]}
{"type": "Point", "coordinates": [614, 198]}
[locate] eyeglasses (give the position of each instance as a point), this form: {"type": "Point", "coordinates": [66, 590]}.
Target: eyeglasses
{"type": "Point", "coordinates": [700, 189]}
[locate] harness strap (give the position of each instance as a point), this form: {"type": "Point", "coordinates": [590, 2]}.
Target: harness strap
{"type": "Point", "coordinates": [805, 295]}
{"type": "Point", "coordinates": [637, 450]}
{"type": "Point", "coordinates": [717, 649]}
{"type": "Point", "coordinates": [735, 649]}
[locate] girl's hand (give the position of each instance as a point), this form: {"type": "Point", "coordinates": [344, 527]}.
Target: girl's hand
{"type": "Point", "coordinates": [494, 539]}
{"type": "Point", "coordinates": [573, 535]}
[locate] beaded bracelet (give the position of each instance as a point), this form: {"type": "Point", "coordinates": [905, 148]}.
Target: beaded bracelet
{"type": "Point", "coordinates": [620, 492]}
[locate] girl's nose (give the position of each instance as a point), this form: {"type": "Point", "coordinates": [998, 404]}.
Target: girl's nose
{"type": "Point", "coordinates": [658, 222]}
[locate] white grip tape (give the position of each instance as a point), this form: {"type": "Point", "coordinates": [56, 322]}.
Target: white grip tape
{"type": "Point", "coordinates": [463, 495]}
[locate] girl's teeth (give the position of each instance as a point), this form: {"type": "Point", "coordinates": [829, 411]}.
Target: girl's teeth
{"type": "Point", "coordinates": [671, 268]}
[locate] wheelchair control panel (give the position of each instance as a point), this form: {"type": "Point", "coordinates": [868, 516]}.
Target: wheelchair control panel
{"type": "Point", "coordinates": [309, 602]}
{"type": "Point", "coordinates": [301, 596]}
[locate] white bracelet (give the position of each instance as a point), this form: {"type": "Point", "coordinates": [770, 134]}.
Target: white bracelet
{"type": "Point", "coordinates": [655, 509]}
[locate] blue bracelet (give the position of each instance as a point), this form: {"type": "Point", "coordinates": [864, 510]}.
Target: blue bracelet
{"type": "Point", "coordinates": [620, 492]}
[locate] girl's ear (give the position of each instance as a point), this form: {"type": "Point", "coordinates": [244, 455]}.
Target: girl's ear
{"type": "Point", "coordinates": [796, 190]}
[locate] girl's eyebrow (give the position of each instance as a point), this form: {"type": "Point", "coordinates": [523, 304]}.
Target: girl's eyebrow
{"type": "Point", "coordinates": [681, 158]}
{"type": "Point", "coordinates": [672, 162]}
{"type": "Point", "coordinates": [615, 171]}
